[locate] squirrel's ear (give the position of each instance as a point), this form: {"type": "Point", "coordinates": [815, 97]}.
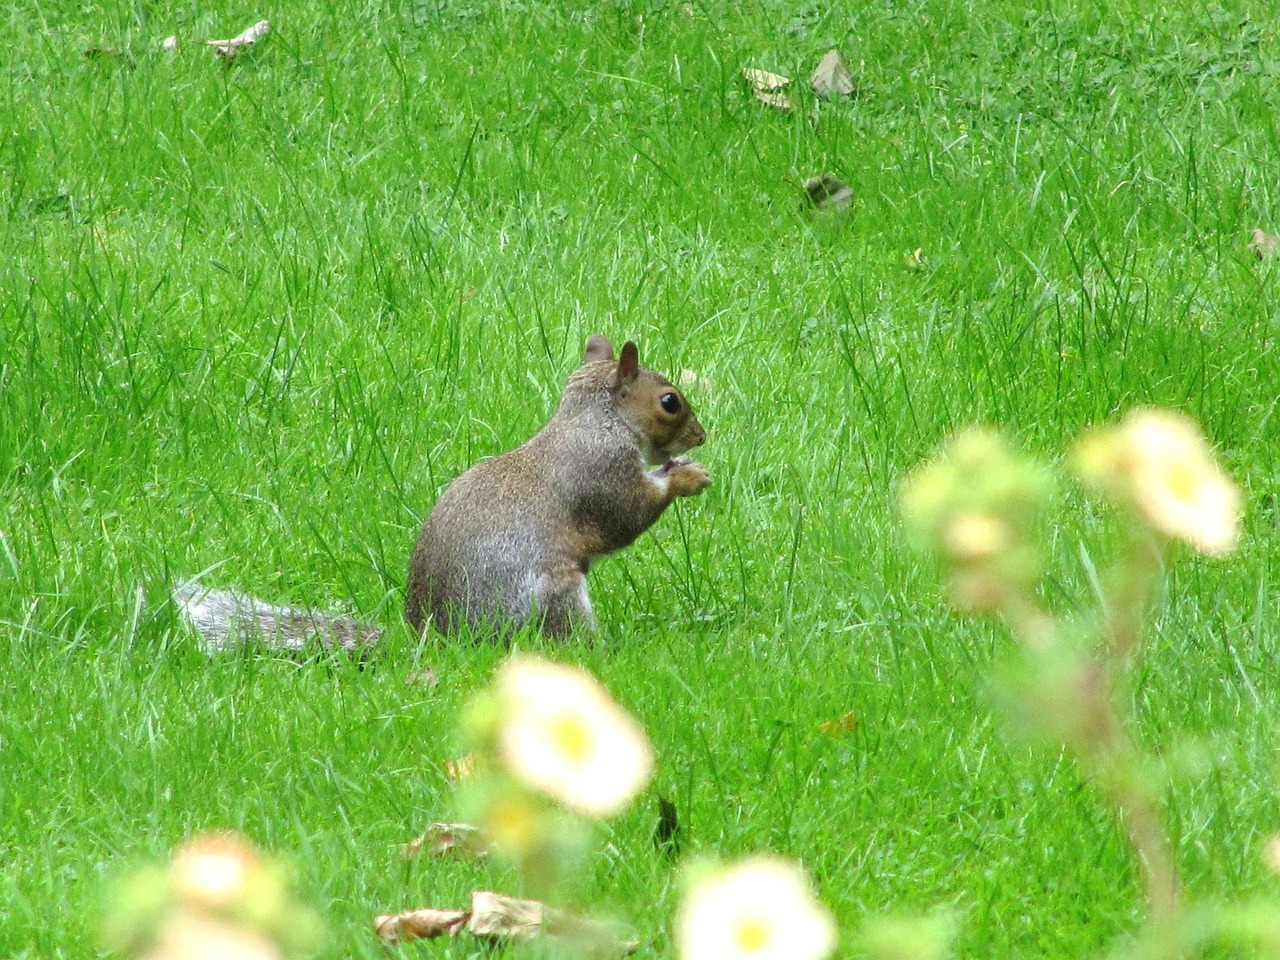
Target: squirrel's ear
{"type": "Point", "coordinates": [598, 348]}
{"type": "Point", "coordinates": [629, 362]}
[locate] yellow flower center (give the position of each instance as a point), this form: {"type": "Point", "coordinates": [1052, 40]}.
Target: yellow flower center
{"type": "Point", "coordinates": [1182, 481]}
{"type": "Point", "coordinates": [751, 934]}
{"type": "Point", "coordinates": [572, 737]}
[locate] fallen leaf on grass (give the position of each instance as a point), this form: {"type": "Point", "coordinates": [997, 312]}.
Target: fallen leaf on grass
{"type": "Point", "coordinates": [228, 49]}
{"type": "Point", "coordinates": [498, 917]}
{"type": "Point", "coordinates": [831, 77]}
{"type": "Point", "coordinates": [915, 259]}
{"type": "Point", "coordinates": [495, 917]}
{"type": "Point", "coordinates": [461, 840]}
{"type": "Point", "coordinates": [763, 80]}
{"type": "Point", "coordinates": [779, 101]}
{"type": "Point", "coordinates": [828, 192]}
{"type": "Point", "coordinates": [769, 88]}
{"type": "Point", "coordinates": [425, 924]}
{"type": "Point", "coordinates": [1264, 245]}
{"type": "Point", "coordinates": [841, 727]}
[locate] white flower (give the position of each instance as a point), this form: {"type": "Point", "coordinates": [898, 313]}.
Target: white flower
{"type": "Point", "coordinates": [1178, 486]}
{"type": "Point", "coordinates": [195, 937]}
{"type": "Point", "coordinates": [973, 537]}
{"type": "Point", "coordinates": [1161, 463]}
{"type": "Point", "coordinates": [215, 872]}
{"type": "Point", "coordinates": [760, 908]}
{"type": "Point", "coordinates": [560, 732]}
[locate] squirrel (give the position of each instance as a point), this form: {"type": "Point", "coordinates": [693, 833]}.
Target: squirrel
{"type": "Point", "coordinates": [511, 540]}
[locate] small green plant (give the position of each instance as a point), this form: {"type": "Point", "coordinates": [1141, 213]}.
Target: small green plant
{"type": "Point", "coordinates": [976, 508]}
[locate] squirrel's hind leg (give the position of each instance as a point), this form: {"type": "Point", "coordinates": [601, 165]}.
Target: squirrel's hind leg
{"type": "Point", "coordinates": [562, 603]}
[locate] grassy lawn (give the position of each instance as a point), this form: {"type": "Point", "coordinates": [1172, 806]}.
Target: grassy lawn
{"type": "Point", "coordinates": [254, 317]}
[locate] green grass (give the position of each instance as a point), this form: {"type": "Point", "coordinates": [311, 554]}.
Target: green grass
{"type": "Point", "coordinates": [259, 316]}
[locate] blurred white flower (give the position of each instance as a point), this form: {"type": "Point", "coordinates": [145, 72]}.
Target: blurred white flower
{"type": "Point", "coordinates": [1161, 462]}
{"type": "Point", "coordinates": [195, 937]}
{"type": "Point", "coordinates": [215, 872]}
{"type": "Point", "coordinates": [561, 733]}
{"type": "Point", "coordinates": [1271, 853]}
{"type": "Point", "coordinates": [218, 898]}
{"type": "Point", "coordinates": [760, 908]}
{"type": "Point", "coordinates": [1177, 483]}
{"type": "Point", "coordinates": [976, 536]}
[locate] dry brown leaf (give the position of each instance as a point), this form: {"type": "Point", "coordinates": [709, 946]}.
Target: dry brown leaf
{"type": "Point", "coordinates": [828, 192]}
{"type": "Point", "coordinates": [424, 924]}
{"type": "Point", "coordinates": [227, 49]}
{"type": "Point", "coordinates": [496, 917]}
{"type": "Point", "coordinates": [841, 727]}
{"type": "Point", "coordinates": [831, 77]}
{"type": "Point", "coordinates": [1264, 245]}
{"type": "Point", "coordinates": [769, 88]}
{"type": "Point", "coordinates": [779, 101]}
{"type": "Point", "coordinates": [463, 841]}
{"type": "Point", "coordinates": [763, 81]}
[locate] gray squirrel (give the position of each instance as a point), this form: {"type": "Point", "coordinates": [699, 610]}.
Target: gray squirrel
{"type": "Point", "coordinates": [511, 540]}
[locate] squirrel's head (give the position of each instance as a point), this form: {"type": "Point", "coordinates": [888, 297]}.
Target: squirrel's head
{"type": "Point", "coordinates": [651, 405]}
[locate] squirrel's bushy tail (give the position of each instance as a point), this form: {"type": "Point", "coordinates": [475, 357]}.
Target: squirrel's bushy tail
{"type": "Point", "coordinates": [227, 619]}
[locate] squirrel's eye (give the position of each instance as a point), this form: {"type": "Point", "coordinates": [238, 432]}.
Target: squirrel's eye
{"type": "Point", "coordinates": [670, 402]}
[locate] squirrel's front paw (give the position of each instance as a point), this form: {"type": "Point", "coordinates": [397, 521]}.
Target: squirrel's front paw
{"type": "Point", "coordinates": [687, 478]}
